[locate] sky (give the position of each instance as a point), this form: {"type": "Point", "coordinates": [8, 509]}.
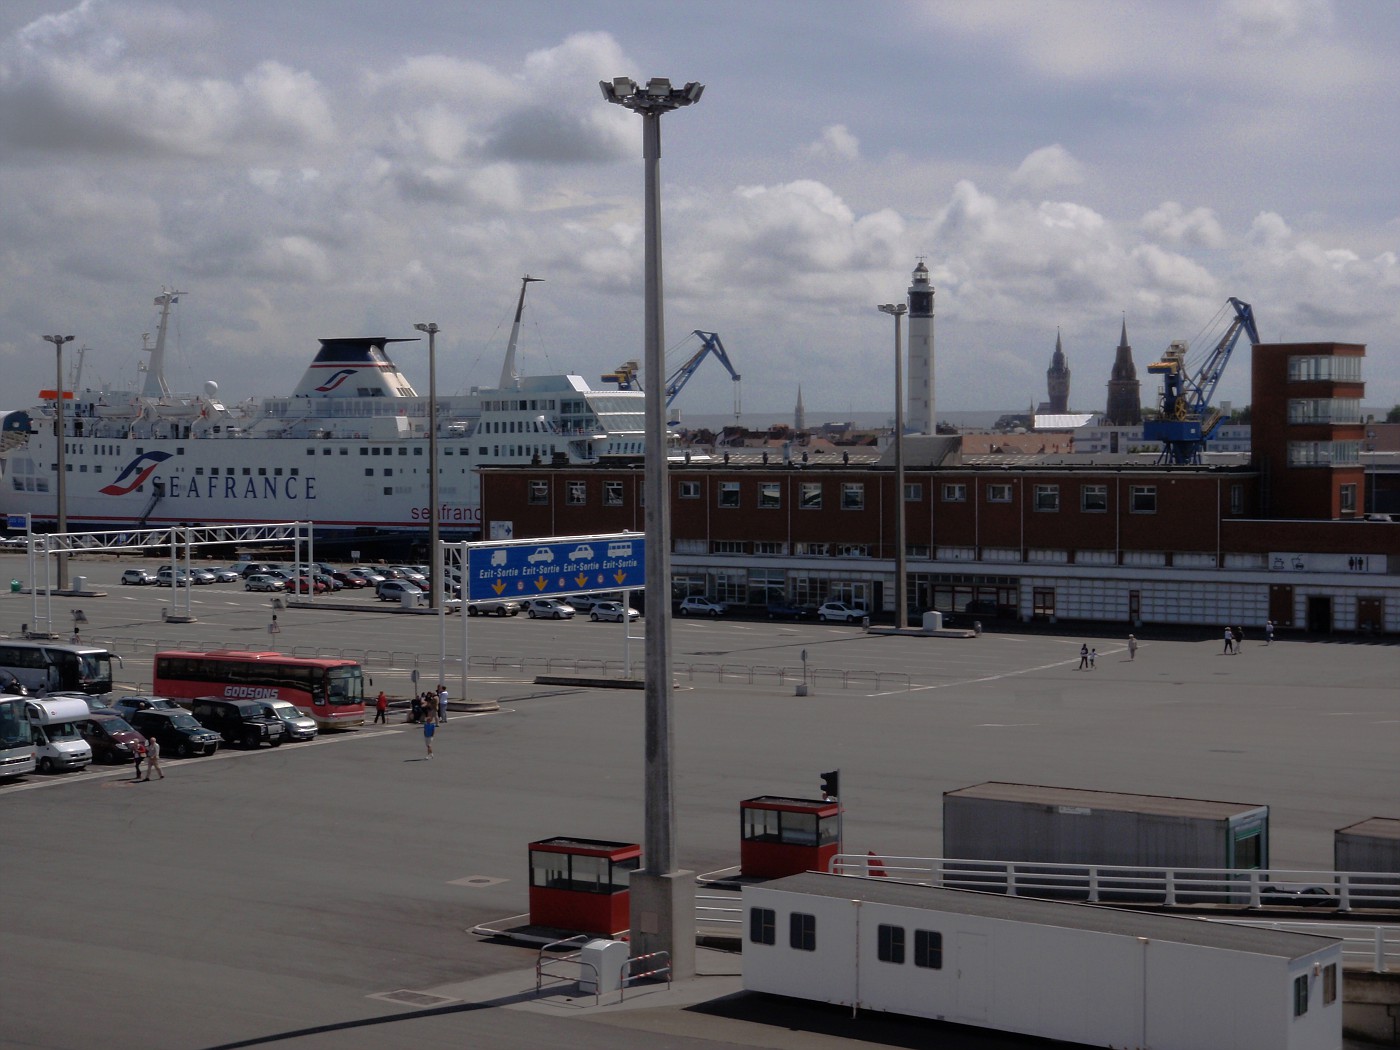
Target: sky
{"type": "Point", "coordinates": [330, 168]}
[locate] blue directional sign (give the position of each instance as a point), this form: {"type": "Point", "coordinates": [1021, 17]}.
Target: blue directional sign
{"type": "Point", "coordinates": [555, 567]}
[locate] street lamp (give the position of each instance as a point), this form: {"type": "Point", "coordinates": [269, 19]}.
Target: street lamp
{"type": "Point", "coordinates": [663, 910]}
{"type": "Point", "coordinates": [901, 594]}
{"type": "Point", "coordinates": [58, 341]}
{"type": "Point", "coordinates": [434, 557]}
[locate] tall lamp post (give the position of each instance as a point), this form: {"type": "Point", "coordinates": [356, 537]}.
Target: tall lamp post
{"type": "Point", "coordinates": [60, 433]}
{"type": "Point", "coordinates": [663, 906]}
{"type": "Point", "coordinates": [435, 580]}
{"type": "Point", "coordinates": [901, 593]}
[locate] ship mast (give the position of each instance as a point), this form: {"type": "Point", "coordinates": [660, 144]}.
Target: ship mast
{"type": "Point", "coordinates": [510, 378]}
{"type": "Point", "coordinates": [155, 372]}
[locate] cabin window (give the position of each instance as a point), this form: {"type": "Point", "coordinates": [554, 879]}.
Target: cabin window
{"type": "Point", "coordinates": [369, 472]}
{"type": "Point", "coordinates": [890, 944]}
{"type": "Point", "coordinates": [612, 493]}
{"type": "Point", "coordinates": [577, 493]}
{"type": "Point", "coordinates": [811, 495]}
{"type": "Point", "coordinates": [954, 493]}
{"type": "Point", "coordinates": [690, 490]}
{"type": "Point", "coordinates": [769, 495]}
{"type": "Point", "coordinates": [1329, 984]}
{"type": "Point", "coordinates": [1093, 499]}
{"type": "Point", "coordinates": [998, 493]}
{"type": "Point", "coordinates": [1236, 498]}
{"type": "Point", "coordinates": [1300, 995]}
{"type": "Point", "coordinates": [728, 493]}
{"type": "Point", "coordinates": [539, 492]}
{"type": "Point", "coordinates": [1047, 498]}
{"type": "Point", "coordinates": [763, 926]}
{"type": "Point", "coordinates": [853, 495]}
{"type": "Point", "coordinates": [913, 492]}
{"type": "Point", "coordinates": [1142, 499]}
{"type": "Point", "coordinates": [928, 949]}
{"type": "Point", "coordinates": [802, 931]}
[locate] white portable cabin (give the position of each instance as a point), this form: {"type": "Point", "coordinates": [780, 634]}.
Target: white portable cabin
{"type": "Point", "coordinates": [1061, 971]}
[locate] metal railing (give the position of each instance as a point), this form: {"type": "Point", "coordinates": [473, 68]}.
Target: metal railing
{"type": "Point", "coordinates": [659, 964]}
{"type": "Point", "coordinates": [1364, 947]}
{"type": "Point", "coordinates": [543, 971]}
{"type": "Point", "coordinates": [1341, 891]}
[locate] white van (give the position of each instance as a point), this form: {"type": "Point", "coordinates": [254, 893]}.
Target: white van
{"type": "Point", "coordinates": [53, 726]}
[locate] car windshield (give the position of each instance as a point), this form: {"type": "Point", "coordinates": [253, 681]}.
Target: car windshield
{"type": "Point", "coordinates": [285, 711]}
{"type": "Point", "coordinates": [114, 724]}
{"type": "Point", "coordinates": [184, 721]}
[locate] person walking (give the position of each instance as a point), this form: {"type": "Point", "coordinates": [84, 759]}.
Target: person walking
{"type": "Point", "coordinates": [1083, 657]}
{"type": "Point", "coordinates": [381, 708]}
{"type": "Point", "coordinates": [415, 708]}
{"type": "Point", "coordinates": [139, 750]}
{"type": "Point", "coordinates": [1229, 642]}
{"type": "Point", "coordinates": [1239, 640]}
{"type": "Point", "coordinates": [1132, 647]}
{"type": "Point", "coordinates": [1093, 655]}
{"type": "Point", "coordinates": [441, 703]}
{"type": "Point", "coordinates": [429, 728]}
{"type": "Point", "coordinates": [1268, 632]}
{"type": "Point", "coordinates": [153, 758]}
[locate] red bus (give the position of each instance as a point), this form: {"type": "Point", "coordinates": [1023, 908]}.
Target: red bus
{"type": "Point", "coordinates": [330, 690]}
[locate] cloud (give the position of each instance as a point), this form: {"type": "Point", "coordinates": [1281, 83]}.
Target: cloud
{"type": "Point", "coordinates": [1173, 224]}
{"type": "Point", "coordinates": [836, 142]}
{"type": "Point", "coordinates": [1265, 22]}
{"type": "Point", "coordinates": [1048, 168]}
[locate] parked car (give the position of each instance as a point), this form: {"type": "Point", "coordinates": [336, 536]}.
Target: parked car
{"type": "Point", "coordinates": [127, 706]}
{"type": "Point", "coordinates": [840, 612]}
{"type": "Point", "coordinates": [349, 578]}
{"type": "Point", "coordinates": [696, 605]}
{"type": "Point", "coordinates": [412, 575]}
{"type": "Point", "coordinates": [111, 738]}
{"type": "Point", "coordinates": [228, 575]}
{"type": "Point", "coordinates": [298, 726]}
{"type": "Point", "coordinates": [394, 590]}
{"type": "Point", "coordinates": [137, 578]}
{"type": "Point", "coordinates": [329, 582]}
{"type": "Point", "coordinates": [782, 609]}
{"type": "Point", "coordinates": [176, 731]}
{"type": "Point", "coordinates": [262, 582]}
{"type": "Point", "coordinates": [251, 568]}
{"type": "Point", "coordinates": [249, 722]}
{"type": "Point", "coordinates": [203, 577]}
{"type": "Point", "coordinates": [305, 585]}
{"type": "Point", "coordinates": [1295, 896]}
{"type": "Point", "coordinates": [612, 611]}
{"type": "Point", "coordinates": [371, 578]}
{"type": "Point", "coordinates": [504, 607]}
{"type": "Point", "coordinates": [585, 602]}
{"type": "Point", "coordinates": [548, 609]}
{"type": "Point", "coordinates": [165, 577]}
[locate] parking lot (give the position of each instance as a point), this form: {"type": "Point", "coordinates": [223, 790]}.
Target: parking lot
{"type": "Point", "coordinates": [289, 896]}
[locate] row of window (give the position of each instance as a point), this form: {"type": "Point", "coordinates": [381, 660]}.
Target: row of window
{"type": "Point", "coordinates": [1324, 410]}
{"type": "Point", "coordinates": [1300, 989]}
{"type": "Point", "coordinates": [890, 946]}
{"type": "Point", "coordinates": [1324, 453]}
{"type": "Point", "coordinates": [1333, 369]}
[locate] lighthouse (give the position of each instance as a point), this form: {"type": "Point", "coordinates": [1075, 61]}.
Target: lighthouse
{"type": "Point", "coordinates": [919, 415]}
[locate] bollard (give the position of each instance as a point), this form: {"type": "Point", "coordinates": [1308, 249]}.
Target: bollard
{"type": "Point", "coordinates": [977, 627]}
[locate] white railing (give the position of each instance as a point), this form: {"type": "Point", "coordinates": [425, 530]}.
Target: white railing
{"type": "Point", "coordinates": [1364, 947]}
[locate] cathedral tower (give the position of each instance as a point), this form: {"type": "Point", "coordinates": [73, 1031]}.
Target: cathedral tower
{"type": "Point", "coordinates": [1057, 380]}
{"type": "Point", "coordinates": [1124, 390]}
{"type": "Point", "coordinates": [919, 418]}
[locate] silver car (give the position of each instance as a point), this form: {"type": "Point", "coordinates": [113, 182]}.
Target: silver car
{"type": "Point", "coordinates": [612, 611]}
{"type": "Point", "coordinates": [504, 607]}
{"type": "Point", "coordinates": [262, 582]}
{"type": "Point", "coordinates": [298, 725]}
{"type": "Point", "coordinates": [137, 578]}
{"type": "Point", "coordinates": [548, 609]}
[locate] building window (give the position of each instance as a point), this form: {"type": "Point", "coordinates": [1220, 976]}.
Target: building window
{"type": "Point", "coordinates": [998, 493]}
{"type": "Point", "coordinates": [690, 490]}
{"type": "Point", "coordinates": [954, 493]}
{"type": "Point", "coordinates": [577, 494]}
{"type": "Point", "coordinates": [770, 495]}
{"type": "Point", "coordinates": [1142, 499]}
{"type": "Point", "coordinates": [852, 550]}
{"type": "Point", "coordinates": [1324, 410]}
{"type": "Point", "coordinates": [1331, 369]}
{"type": "Point", "coordinates": [1237, 498]}
{"type": "Point", "coordinates": [802, 931]}
{"type": "Point", "coordinates": [1323, 453]}
{"type": "Point", "coordinates": [913, 492]}
{"type": "Point", "coordinates": [928, 949]}
{"type": "Point", "coordinates": [769, 547]}
{"type": "Point", "coordinates": [729, 547]}
{"type": "Point", "coordinates": [612, 493]}
{"type": "Point", "coordinates": [814, 550]}
{"type": "Point", "coordinates": [539, 492]}
{"type": "Point", "coordinates": [890, 944]}
{"type": "Point", "coordinates": [852, 495]}
{"type": "Point", "coordinates": [810, 497]}
{"type": "Point", "coordinates": [1348, 498]}
{"type": "Point", "coordinates": [728, 493]}
{"type": "Point", "coordinates": [1329, 984]}
{"type": "Point", "coordinates": [1300, 995]}
{"type": "Point", "coordinates": [763, 926]}
{"type": "Point", "coordinates": [1047, 498]}
{"type": "Point", "coordinates": [1093, 499]}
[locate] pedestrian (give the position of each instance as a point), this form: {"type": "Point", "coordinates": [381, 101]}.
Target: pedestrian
{"type": "Point", "coordinates": [1239, 640]}
{"type": "Point", "coordinates": [415, 709]}
{"type": "Point", "coordinates": [429, 728]}
{"type": "Point", "coordinates": [1268, 632]}
{"type": "Point", "coordinates": [1229, 642]}
{"type": "Point", "coordinates": [1132, 647]}
{"type": "Point", "coordinates": [381, 708]}
{"type": "Point", "coordinates": [441, 703]}
{"type": "Point", "coordinates": [153, 758]}
{"type": "Point", "coordinates": [139, 750]}
{"type": "Point", "coordinates": [1083, 657]}
{"type": "Point", "coordinates": [1093, 655]}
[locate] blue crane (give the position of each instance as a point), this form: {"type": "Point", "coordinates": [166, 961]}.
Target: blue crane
{"type": "Point", "coordinates": [1187, 419]}
{"type": "Point", "coordinates": [626, 374]}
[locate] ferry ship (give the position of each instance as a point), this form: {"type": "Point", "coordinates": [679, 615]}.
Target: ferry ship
{"type": "Point", "coordinates": [347, 450]}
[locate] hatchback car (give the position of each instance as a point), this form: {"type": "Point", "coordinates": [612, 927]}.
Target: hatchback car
{"type": "Point", "coordinates": [349, 579]}
{"type": "Point", "coordinates": [298, 725]}
{"type": "Point", "coordinates": [840, 612]}
{"type": "Point", "coordinates": [371, 577]}
{"type": "Point", "coordinates": [548, 609]}
{"type": "Point", "coordinates": [394, 590]}
{"type": "Point", "coordinates": [137, 578]}
{"type": "Point", "coordinates": [262, 582]}
{"type": "Point", "coordinates": [505, 607]}
{"type": "Point", "coordinates": [612, 611]}
{"type": "Point", "coordinates": [127, 706]}
{"type": "Point", "coordinates": [698, 606]}
{"type": "Point", "coordinates": [304, 584]}
{"type": "Point", "coordinates": [176, 732]}
{"type": "Point", "coordinates": [111, 738]}
{"type": "Point", "coordinates": [225, 575]}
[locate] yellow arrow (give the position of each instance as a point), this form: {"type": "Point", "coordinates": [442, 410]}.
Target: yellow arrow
{"type": "Point", "coordinates": [619, 576]}
{"type": "Point", "coordinates": [541, 583]}
{"type": "Point", "coordinates": [498, 587]}
{"type": "Point", "coordinates": [581, 579]}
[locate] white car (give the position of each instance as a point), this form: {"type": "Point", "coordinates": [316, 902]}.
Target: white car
{"type": "Point", "coordinates": [137, 578]}
{"type": "Point", "coordinates": [698, 606]}
{"type": "Point", "coordinates": [262, 582]}
{"type": "Point", "coordinates": [548, 609]}
{"type": "Point", "coordinates": [612, 611]}
{"type": "Point", "coordinates": [540, 554]}
{"type": "Point", "coordinates": [583, 552]}
{"type": "Point", "coordinates": [840, 612]}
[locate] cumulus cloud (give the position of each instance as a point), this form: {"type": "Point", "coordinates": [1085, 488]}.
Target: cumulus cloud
{"type": "Point", "coordinates": [836, 141]}
{"type": "Point", "coordinates": [1172, 223]}
{"type": "Point", "coordinates": [1048, 168]}
{"type": "Point", "coordinates": [1262, 22]}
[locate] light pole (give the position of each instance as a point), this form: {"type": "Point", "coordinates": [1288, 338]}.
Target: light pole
{"type": "Point", "coordinates": [434, 556]}
{"type": "Point", "coordinates": [663, 906]}
{"type": "Point", "coordinates": [901, 594]}
{"type": "Point", "coordinates": [59, 432]}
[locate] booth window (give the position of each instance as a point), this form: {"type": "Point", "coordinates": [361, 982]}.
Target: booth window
{"type": "Point", "coordinates": [1329, 984]}
{"type": "Point", "coordinates": [802, 931]}
{"type": "Point", "coordinates": [566, 871]}
{"type": "Point", "coordinates": [928, 949]}
{"type": "Point", "coordinates": [1300, 995]}
{"type": "Point", "coordinates": [763, 925]}
{"type": "Point", "coordinates": [890, 946]}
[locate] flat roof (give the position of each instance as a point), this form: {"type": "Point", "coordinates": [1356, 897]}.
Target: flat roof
{"type": "Point", "coordinates": [1164, 805]}
{"type": "Point", "coordinates": [1374, 828]}
{"type": "Point", "coordinates": [1173, 928]}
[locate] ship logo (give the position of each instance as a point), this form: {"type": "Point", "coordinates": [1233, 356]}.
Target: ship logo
{"type": "Point", "coordinates": [336, 380]}
{"type": "Point", "coordinates": [135, 473]}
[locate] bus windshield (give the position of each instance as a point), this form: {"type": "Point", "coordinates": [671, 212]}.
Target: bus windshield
{"type": "Point", "coordinates": [95, 672]}
{"type": "Point", "coordinates": [14, 726]}
{"type": "Point", "coordinates": [345, 685]}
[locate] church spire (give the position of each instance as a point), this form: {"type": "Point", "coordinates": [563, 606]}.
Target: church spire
{"type": "Point", "coordinates": [1057, 379]}
{"type": "Point", "coordinates": [1124, 390]}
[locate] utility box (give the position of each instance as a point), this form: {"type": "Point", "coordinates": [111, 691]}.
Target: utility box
{"type": "Point", "coordinates": [79, 584]}
{"type": "Point", "coordinates": [411, 599]}
{"type": "Point", "coordinates": [1030, 822]}
{"type": "Point", "coordinates": [933, 621]}
{"type": "Point", "coordinates": [785, 836]}
{"type": "Point", "coordinates": [601, 963]}
{"type": "Point", "coordinates": [581, 885]}
{"type": "Point", "coordinates": [1371, 845]}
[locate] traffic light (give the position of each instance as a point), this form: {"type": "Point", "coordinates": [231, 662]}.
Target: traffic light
{"type": "Point", "coordinates": [831, 784]}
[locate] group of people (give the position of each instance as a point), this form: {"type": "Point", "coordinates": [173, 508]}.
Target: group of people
{"type": "Point", "coordinates": [1087, 657]}
{"type": "Point", "coordinates": [148, 751]}
{"type": "Point", "coordinates": [1234, 640]}
{"type": "Point", "coordinates": [431, 704]}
